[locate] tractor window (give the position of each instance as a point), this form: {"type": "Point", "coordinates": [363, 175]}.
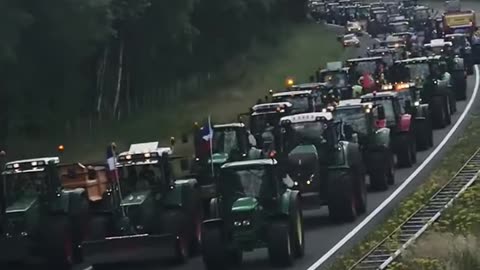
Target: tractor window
{"type": "Point", "coordinates": [397, 28]}
{"type": "Point", "coordinates": [381, 17]}
{"type": "Point", "coordinates": [421, 14]}
{"type": "Point", "coordinates": [260, 122]}
{"type": "Point", "coordinates": [388, 106]}
{"type": "Point", "coordinates": [224, 141]}
{"type": "Point", "coordinates": [140, 178]}
{"type": "Point", "coordinates": [420, 71]}
{"type": "Point", "coordinates": [354, 117]}
{"type": "Point", "coordinates": [247, 182]}
{"type": "Point", "coordinates": [308, 130]}
{"type": "Point", "coordinates": [23, 188]}
{"type": "Point", "coordinates": [335, 79]}
{"type": "Point", "coordinates": [300, 103]}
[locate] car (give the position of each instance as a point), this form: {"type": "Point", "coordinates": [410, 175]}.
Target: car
{"type": "Point", "coordinates": [350, 40]}
{"type": "Point", "coordinates": [354, 27]}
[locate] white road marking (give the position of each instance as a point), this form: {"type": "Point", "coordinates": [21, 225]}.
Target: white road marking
{"type": "Point", "coordinates": [412, 176]}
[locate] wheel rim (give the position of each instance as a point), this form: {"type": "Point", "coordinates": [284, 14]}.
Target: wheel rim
{"type": "Point", "coordinates": [182, 247]}
{"type": "Point", "coordinates": [289, 245]}
{"type": "Point", "coordinates": [198, 231]}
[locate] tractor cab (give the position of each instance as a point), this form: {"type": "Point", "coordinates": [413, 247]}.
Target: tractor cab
{"type": "Point", "coordinates": [264, 119]}
{"type": "Point", "coordinates": [143, 168]}
{"type": "Point", "coordinates": [302, 101]}
{"type": "Point", "coordinates": [372, 67]}
{"type": "Point", "coordinates": [363, 12]}
{"type": "Point", "coordinates": [421, 17]}
{"type": "Point", "coordinates": [393, 107]}
{"type": "Point", "coordinates": [335, 75]}
{"type": "Point", "coordinates": [462, 47]}
{"type": "Point", "coordinates": [333, 12]}
{"type": "Point", "coordinates": [27, 182]}
{"type": "Point", "coordinates": [351, 13]}
{"type": "Point", "coordinates": [399, 26]}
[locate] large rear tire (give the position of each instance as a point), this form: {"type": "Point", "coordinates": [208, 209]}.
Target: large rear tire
{"type": "Point", "coordinates": [213, 249]}
{"type": "Point", "coordinates": [378, 171]}
{"type": "Point", "coordinates": [280, 248]}
{"type": "Point", "coordinates": [341, 197]}
{"type": "Point", "coordinates": [175, 222]}
{"type": "Point", "coordinates": [438, 112]}
{"type": "Point", "coordinates": [404, 151]}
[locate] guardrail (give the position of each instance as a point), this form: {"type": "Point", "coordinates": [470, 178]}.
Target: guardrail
{"type": "Point", "coordinates": [380, 256]}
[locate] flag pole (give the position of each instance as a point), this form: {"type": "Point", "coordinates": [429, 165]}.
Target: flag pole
{"type": "Point", "coordinates": [117, 180]}
{"type": "Point", "coordinates": [211, 144]}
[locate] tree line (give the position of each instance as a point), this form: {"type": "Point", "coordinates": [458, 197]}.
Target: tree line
{"type": "Point", "coordinates": [65, 60]}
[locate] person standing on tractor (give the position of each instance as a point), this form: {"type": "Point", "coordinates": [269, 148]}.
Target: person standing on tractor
{"type": "Point", "coordinates": [357, 91]}
{"type": "Point", "coordinates": [367, 82]}
{"type": "Point", "coordinates": [445, 76]}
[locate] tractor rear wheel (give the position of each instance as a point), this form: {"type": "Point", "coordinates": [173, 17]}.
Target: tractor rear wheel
{"type": "Point", "coordinates": [341, 197]}
{"type": "Point", "coordinates": [378, 171]}
{"type": "Point", "coordinates": [56, 236]}
{"type": "Point", "coordinates": [175, 222]}
{"type": "Point", "coordinates": [438, 112]}
{"type": "Point", "coordinates": [213, 248]}
{"type": "Point", "coordinates": [280, 246]}
{"type": "Point", "coordinates": [404, 151]}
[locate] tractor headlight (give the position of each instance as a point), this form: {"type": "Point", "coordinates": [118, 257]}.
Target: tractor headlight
{"type": "Point", "coordinates": [387, 87]}
{"type": "Point", "coordinates": [416, 103]}
{"type": "Point", "coordinates": [237, 223]}
{"type": "Point", "coordinates": [246, 223]}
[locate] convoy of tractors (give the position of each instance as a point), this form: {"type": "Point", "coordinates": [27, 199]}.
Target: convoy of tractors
{"type": "Point", "coordinates": [318, 143]}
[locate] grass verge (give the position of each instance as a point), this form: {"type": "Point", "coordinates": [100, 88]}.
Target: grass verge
{"type": "Point", "coordinates": [451, 163]}
{"type": "Point", "coordinates": [300, 49]}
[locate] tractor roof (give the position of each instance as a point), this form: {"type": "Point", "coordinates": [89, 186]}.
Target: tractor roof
{"type": "Point", "coordinates": [365, 59]}
{"type": "Point", "coordinates": [421, 8]}
{"type": "Point", "coordinates": [308, 117]}
{"type": "Point", "coordinates": [272, 105]}
{"type": "Point", "coordinates": [308, 86]}
{"type": "Point", "coordinates": [292, 93]}
{"type": "Point", "coordinates": [29, 165]}
{"type": "Point", "coordinates": [380, 95]}
{"type": "Point", "coordinates": [456, 35]}
{"type": "Point", "coordinates": [262, 162]}
{"type": "Point", "coordinates": [230, 125]}
{"type": "Point", "coordinates": [440, 42]}
{"type": "Point", "coordinates": [143, 154]}
{"type": "Point", "coordinates": [419, 59]}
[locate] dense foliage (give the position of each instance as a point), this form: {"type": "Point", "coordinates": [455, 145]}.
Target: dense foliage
{"type": "Point", "coordinates": [63, 61]}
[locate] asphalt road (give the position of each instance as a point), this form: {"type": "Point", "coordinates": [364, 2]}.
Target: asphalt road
{"type": "Point", "coordinates": [321, 234]}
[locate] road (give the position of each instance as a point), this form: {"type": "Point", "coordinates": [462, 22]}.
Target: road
{"type": "Point", "coordinates": [321, 235]}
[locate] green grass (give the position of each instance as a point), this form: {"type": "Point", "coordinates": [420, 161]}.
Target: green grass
{"type": "Point", "coordinates": [300, 49]}
{"type": "Point", "coordinates": [450, 164]}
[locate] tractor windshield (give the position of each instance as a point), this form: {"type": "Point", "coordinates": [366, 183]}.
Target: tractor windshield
{"type": "Point", "coordinates": [224, 141]}
{"type": "Point", "coordinates": [421, 14]}
{"type": "Point", "coordinates": [360, 68]}
{"type": "Point", "coordinates": [419, 71]}
{"type": "Point", "coordinates": [260, 122]}
{"type": "Point", "coordinates": [140, 178]}
{"type": "Point", "coordinates": [354, 117]}
{"type": "Point", "coordinates": [387, 104]}
{"type": "Point", "coordinates": [381, 17]}
{"type": "Point", "coordinates": [352, 12]}
{"type": "Point", "coordinates": [246, 182]}
{"type": "Point", "coordinates": [300, 103]}
{"type": "Point", "coordinates": [363, 13]}
{"type": "Point", "coordinates": [23, 188]}
{"type": "Point", "coordinates": [399, 27]}
{"type": "Point", "coordinates": [335, 78]}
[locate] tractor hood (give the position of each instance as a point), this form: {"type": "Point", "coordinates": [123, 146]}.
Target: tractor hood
{"type": "Point", "coordinates": [301, 153]}
{"type": "Point", "coordinates": [22, 205]}
{"type": "Point", "coordinates": [244, 204]}
{"type": "Point", "coordinates": [135, 198]}
{"type": "Point", "coordinates": [219, 158]}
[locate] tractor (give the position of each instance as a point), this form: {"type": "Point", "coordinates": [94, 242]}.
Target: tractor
{"type": "Point", "coordinates": [225, 143]}
{"type": "Point", "coordinates": [422, 15]}
{"type": "Point", "coordinates": [254, 209]}
{"type": "Point", "coordinates": [402, 128]}
{"type": "Point", "coordinates": [378, 24]}
{"type": "Point", "coordinates": [43, 221]}
{"type": "Point", "coordinates": [302, 101]}
{"type": "Point", "coordinates": [324, 168]}
{"type": "Point", "coordinates": [370, 66]}
{"type": "Point", "coordinates": [362, 127]}
{"type": "Point", "coordinates": [336, 76]}
{"type": "Point", "coordinates": [155, 214]}
{"type": "Point", "coordinates": [462, 47]}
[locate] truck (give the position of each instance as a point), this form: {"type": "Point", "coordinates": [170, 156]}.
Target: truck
{"type": "Point", "coordinates": [254, 209]}
{"type": "Point", "coordinates": [456, 20]}
{"type": "Point", "coordinates": [323, 167]}
{"type": "Point", "coordinates": [156, 215]}
{"type": "Point", "coordinates": [402, 128]}
{"type": "Point", "coordinates": [43, 221]}
{"type": "Point", "coordinates": [362, 127]}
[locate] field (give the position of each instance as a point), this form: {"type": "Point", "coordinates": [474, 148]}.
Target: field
{"type": "Point", "coordinates": [298, 51]}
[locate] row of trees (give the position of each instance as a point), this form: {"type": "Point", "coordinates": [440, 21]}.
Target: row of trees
{"type": "Point", "coordinates": [64, 60]}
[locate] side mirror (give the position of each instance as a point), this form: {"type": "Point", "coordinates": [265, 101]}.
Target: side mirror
{"type": "Point", "coordinates": [355, 137]}
{"type": "Point", "coordinates": [381, 113]}
{"type": "Point", "coordinates": [184, 138]}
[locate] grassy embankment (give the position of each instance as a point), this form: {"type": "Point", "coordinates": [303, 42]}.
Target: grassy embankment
{"type": "Point", "coordinates": [298, 51]}
{"type": "Point", "coordinates": [458, 219]}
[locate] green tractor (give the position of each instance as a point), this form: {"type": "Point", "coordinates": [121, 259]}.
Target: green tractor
{"type": "Point", "coordinates": [361, 121]}
{"type": "Point", "coordinates": [419, 74]}
{"type": "Point", "coordinates": [325, 169]}
{"type": "Point", "coordinates": [336, 76]}
{"type": "Point", "coordinates": [254, 209]}
{"type": "Point", "coordinates": [43, 221]}
{"type": "Point", "coordinates": [223, 143]}
{"type": "Point", "coordinates": [155, 214]}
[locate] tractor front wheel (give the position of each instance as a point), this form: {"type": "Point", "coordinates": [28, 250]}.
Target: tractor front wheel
{"type": "Point", "coordinates": [213, 248]}
{"type": "Point", "coordinates": [280, 246]}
